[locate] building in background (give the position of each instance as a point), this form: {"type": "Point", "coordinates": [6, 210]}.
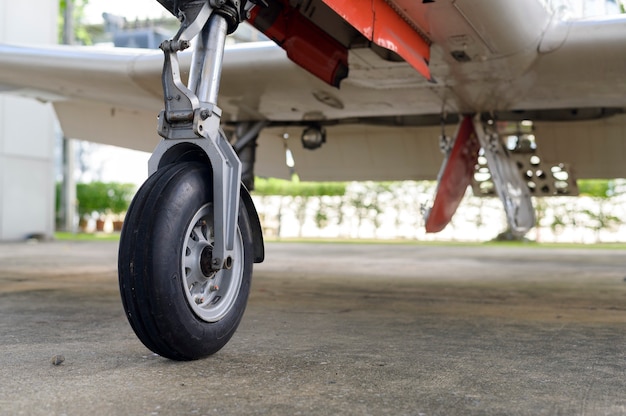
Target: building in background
{"type": "Point", "coordinates": [27, 133]}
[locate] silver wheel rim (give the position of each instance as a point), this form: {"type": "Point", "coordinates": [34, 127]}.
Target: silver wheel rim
{"type": "Point", "coordinates": [211, 295]}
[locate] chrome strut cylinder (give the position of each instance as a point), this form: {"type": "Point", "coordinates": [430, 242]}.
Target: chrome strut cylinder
{"type": "Point", "coordinates": [207, 60]}
{"type": "Point", "coordinates": [190, 122]}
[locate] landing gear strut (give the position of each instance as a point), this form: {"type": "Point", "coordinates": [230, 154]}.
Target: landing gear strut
{"type": "Point", "coordinates": [191, 234]}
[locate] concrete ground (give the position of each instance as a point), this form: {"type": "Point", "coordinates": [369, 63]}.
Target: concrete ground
{"type": "Point", "coordinates": [330, 329]}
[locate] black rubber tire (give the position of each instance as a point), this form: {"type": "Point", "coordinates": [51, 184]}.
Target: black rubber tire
{"type": "Point", "coordinates": [150, 265]}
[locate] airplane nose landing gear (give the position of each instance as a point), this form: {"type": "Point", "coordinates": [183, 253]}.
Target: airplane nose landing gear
{"type": "Point", "coordinates": [191, 233]}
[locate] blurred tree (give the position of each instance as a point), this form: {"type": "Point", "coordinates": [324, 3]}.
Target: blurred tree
{"type": "Point", "coordinates": [597, 188]}
{"type": "Point", "coordinates": [273, 186]}
{"type": "Point", "coordinates": [601, 191]}
{"type": "Point", "coordinates": [73, 31]}
{"type": "Point", "coordinates": [102, 197]}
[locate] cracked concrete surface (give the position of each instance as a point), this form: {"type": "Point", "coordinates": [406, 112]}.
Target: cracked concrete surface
{"type": "Point", "coordinates": [330, 329]}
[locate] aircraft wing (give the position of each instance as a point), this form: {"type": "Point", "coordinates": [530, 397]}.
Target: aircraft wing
{"type": "Point", "coordinates": [382, 97]}
{"type": "Point", "coordinates": [114, 96]}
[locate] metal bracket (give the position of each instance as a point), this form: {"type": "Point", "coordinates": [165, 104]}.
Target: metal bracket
{"type": "Point", "coordinates": [509, 184]}
{"type": "Point", "coordinates": [180, 101]}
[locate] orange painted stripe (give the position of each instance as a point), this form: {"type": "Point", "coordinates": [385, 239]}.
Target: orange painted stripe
{"type": "Point", "coordinates": [379, 23]}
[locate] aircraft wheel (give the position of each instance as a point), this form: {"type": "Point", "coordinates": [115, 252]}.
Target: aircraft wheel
{"type": "Point", "coordinates": [178, 307]}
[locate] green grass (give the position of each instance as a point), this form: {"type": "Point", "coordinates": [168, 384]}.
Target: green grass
{"type": "Point", "coordinates": [616, 246]}
{"type": "Point", "coordinates": [64, 236]}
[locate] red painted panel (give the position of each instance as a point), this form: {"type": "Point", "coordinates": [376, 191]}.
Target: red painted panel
{"type": "Point", "coordinates": [305, 43]}
{"type": "Point", "coordinates": [456, 177]}
{"type": "Point", "coordinates": [360, 14]}
{"type": "Point", "coordinates": [319, 53]}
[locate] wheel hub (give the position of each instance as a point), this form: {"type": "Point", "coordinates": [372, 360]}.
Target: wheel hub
{"type": "Point", "coordinates": [210, 293]}
{"type": "Point", "coordinates": [206, 261]}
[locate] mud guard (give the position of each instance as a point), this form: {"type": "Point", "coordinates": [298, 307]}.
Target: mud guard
{"type": "Point", "coordinates": [255, 224]}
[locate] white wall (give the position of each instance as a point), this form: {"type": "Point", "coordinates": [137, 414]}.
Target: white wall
{"type": "Point", "coordinates": [26, 132]}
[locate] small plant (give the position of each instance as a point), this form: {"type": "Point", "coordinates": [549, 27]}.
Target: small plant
{"type": "Point", "coordinates": [98, 199]}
